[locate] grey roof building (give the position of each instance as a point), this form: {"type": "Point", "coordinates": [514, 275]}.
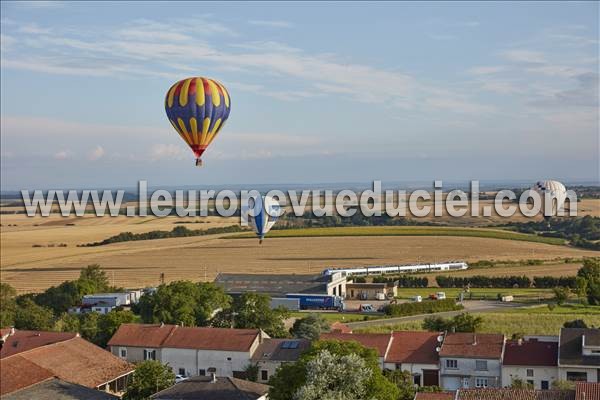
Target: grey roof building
{"type": "Point", "coordinates": [272, 353]}
{"type": "Point", "coordinates": [213, 388]}
{"type": "Point", "coordinates": [579, 354]}
{"type": "Point", "coordinates": [280, 285]}
{"type": "Point", "coordinates": [56, 389]}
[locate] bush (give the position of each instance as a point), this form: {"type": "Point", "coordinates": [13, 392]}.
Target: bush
{"type": "Point", "coordinates": [425, 307]}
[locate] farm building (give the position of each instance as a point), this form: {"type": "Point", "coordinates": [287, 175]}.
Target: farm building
{"type": "Point", "coordinates": [368, 291]}
{"type": "Point", "coordinates": [280, 285]}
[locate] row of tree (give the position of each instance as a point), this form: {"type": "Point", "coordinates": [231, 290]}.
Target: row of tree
{"type": "Point", "coordinates": [404, 281]}
{"type": "Point", "coordinates": [513, 281]}
{"type": "Point", "coordinates": [424, 307]}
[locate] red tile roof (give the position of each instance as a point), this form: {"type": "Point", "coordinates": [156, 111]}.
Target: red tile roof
{"type": "Point", "coordinates": [435, 396]}
{"type": "Point", "coordinates": [587, 391]}
{"type": "Point", "coordinates": [141, 335]}
{"type": "Point", "coordinates": [468, 345]}
{"type": "Point", "coordinates": [17, 373]}
{"type": "Point", "coordinates": [173, 336]}
{"type": "Point", "coordinates": [413, 347]}
{"type": "Point", "coordinates": [514, 394]}
{"type": "Point", "coordinates": [531, 352]}
{"type": "Point", "coordinates": [26, 340]}
{"type": "Point", "coordinates": [377, 341]}
{"type": "Point", "coordinates": [340, 328]}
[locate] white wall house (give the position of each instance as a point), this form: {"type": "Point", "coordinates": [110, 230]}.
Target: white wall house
{"type": "Point", "coordinates": [188, 351]}
{"type": "Point", "coordinates": [579, 355]}
{"type": "Point", "coordinates": [532, 361]}
{"type": "Point", "coordinates": [471, 360]}
{"type": "Point", "coordinates": [416, 353]}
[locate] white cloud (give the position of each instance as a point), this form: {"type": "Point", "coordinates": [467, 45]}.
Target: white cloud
{"type": "Point", "coordinates": [168, 151]}
{"type": "Point", "coordinates": [96, 153]}
{"type": "Point", "coordinates": [271, 23]}
{"type": "Point", "coordinates": [525, 56]}
{"type": "Point", "coordinates": [486, 70]}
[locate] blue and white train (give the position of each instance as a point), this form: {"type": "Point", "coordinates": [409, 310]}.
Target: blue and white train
{"type": "Point", "coordinates": [399, 269]}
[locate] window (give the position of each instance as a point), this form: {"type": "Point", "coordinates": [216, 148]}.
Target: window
{"type": "Point", "coordinates": [481, 365]}
{"type": "Point", "coordinates": [149, 354]}
{"type": "Point", "coordinates": [576, 376]}
{"type": "Point", "coordinates": [545, 385]}
{"type": "Point", "coordinates": [530, 372]}
{"type": "Point", "coordinates": [123, 352]}
{"type": "Point", "coordinates": [182, 371]}
{"type": "Point", "coordinates": [481, 382]}
{"type": "Point", "coordinates": [264, 375]}
{"type": "Point", "coordinates": [417, 379]}
{"type": "Point", "coordinates": [228, 358]}
{"type": "Point", "coordinates": [452, 364]}
{"type": "Point", "coordinates": [202, 372]}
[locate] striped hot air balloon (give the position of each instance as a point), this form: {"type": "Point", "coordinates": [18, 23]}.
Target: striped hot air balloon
{"type": "Point", "coordinates": [557, 194]}
{"type": "Point", "coordinates": [262, 213]}
{"type": "Point", "coordinates": [198, 108]}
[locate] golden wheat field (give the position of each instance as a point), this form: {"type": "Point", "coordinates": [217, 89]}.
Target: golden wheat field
{"type": "Point", "coordinates": [140, 263]}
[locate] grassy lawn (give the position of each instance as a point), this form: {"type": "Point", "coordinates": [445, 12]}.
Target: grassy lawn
{"type": "Point", "coordinates": [479, 294]}
{"type": "Point", "coordinates": [332, 317]}
{"type": "Point", "coordinates": [510, 323]}
{"type": "Point", "coordinates": [566, 309]}
{"type": "Point", "coordinates": [407, 231]}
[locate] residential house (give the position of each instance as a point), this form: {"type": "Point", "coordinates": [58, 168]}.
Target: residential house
{"type": "Point", "coordinates": [273, 353]}
{"type": "Point", "coordinates": [415, 352]}
{"type": "Point", "coordinates": [190, 351]}
{"type": "Point", "coordinates": [214, 388]}
{"type": "Point", "coordinates": [587, 391]}
{"type": "Point", "coordinates": [57, 389]}
{"type": "Point", "coordinates": [434, 396]}
{"type": "Point", "coordinates": [380, 342]}
{"type": "Point", "coordinates": [28, 358]}
{"type": "Point", "coordinates": [471, 360]}
{"type": "Point", "coordinates": [531, 361]}
{"type": "Point", "coordinates": [513, 394]}
{"type": "Point", "coordinates": [579, 355]}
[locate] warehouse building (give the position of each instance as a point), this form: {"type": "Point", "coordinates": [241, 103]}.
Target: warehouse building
{"type": "Point", "coordinates": [277, 285]}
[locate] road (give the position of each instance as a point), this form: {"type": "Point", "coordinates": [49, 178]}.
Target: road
{"type": "Point", "coordinates": [472, 307]}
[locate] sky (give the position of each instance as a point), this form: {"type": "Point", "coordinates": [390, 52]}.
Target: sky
{"type": "Point", "coordinates": [320, 92]}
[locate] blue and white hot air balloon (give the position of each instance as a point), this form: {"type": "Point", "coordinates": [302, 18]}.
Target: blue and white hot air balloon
{"type": "Point", "coordinates": [557, 194]}
{"type": "Point", "coordinates": [261, 214]}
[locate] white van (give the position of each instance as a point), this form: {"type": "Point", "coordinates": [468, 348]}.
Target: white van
{"type": "Point", "coordinates": [441, 295]}
{"type": "Point", "coordinates": [416, 299]}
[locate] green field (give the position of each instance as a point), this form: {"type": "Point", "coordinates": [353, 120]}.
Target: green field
{"type": "Point", "coordinates": [332, 317]}
{"type": "Point", "coordinates": [407, 231]}
{"type": "Point", "coordinates": [520, 295]}
{"type": "Point", "coordinates": [509, 323]}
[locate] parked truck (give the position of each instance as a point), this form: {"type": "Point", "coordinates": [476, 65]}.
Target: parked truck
{"type": "Point", "coordinates": [290, 304]}
{"type": "Point", "coordinates": [317, 301]}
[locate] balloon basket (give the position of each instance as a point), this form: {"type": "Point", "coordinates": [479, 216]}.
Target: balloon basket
{"type": "Point", "coordinates": [198, 162]}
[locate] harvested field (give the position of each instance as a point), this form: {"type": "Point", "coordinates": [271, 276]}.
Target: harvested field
{"type": "Point", "coordinates": [140, 263]}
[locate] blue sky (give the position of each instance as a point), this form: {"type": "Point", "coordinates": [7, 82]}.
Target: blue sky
{"type": "Point", "coordinates": [321, 92]}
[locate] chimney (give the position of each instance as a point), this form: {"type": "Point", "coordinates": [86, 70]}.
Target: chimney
{"type": "Point", "coordinates": [12, 331]}
{"type": "Point", "coordinates": [474, 339]}
{"type": "Point", "coordinates": [520, 341]}
{"type": "Point", "coordinates": [162, 324]}
{"type": "Point", "coordinates": [213, 377]}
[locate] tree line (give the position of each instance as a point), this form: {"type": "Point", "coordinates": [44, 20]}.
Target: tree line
{"type": "Point", "coordinates": [513, 281]}
{"type": "Point", "coordinates": [177, 232]}
{"type": "Point", "coordinates": [424, 307]}
{"type": "Point", "coordinates": [404, 281]}
{"type": "Point", "coordinates": [581, 232]}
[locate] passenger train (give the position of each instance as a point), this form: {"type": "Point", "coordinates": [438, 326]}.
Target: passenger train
{"type": "Point", "coordinates": [394, 269]}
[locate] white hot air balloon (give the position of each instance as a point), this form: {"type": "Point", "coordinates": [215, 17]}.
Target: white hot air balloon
{"type": "Point", "coordinates": [557, 194]}
{"type": "Point", "coordinates": [261, 214]}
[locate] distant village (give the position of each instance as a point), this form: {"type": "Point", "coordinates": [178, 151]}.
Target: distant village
{"type": "Point", "coordinates": [221, 363]}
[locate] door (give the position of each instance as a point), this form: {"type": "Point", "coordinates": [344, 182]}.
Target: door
{"type": "Point", "coordinates": [430, 377]}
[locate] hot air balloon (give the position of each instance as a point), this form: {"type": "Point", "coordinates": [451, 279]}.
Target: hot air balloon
{"type": "Point", "coordinates": [557, 193]}
{"type": "Point", "coordinates": [262, 214]}
{"type": "Point", "coordinates": [198, 108]}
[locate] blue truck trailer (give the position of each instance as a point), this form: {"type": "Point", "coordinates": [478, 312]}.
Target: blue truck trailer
{"type": "Point", "coordinates": [317, 301]}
